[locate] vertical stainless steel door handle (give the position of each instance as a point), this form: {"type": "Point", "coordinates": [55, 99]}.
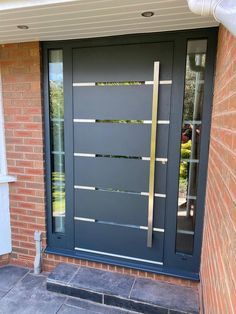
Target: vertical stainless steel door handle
{"type": "Point", "coordinates": [153, 152]}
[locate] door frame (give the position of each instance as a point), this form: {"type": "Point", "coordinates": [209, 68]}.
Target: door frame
{"type": "Point", "coordinates": [176, 264]}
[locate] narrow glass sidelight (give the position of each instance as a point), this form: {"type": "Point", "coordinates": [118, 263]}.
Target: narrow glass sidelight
{"type": "Point", "coordinates": [190, 145]}
{"type": "Point", "coordinates": [56, 103]}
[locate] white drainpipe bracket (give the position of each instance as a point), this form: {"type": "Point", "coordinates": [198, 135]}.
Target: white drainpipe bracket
{"type": "Point", "coordinates": [223, 11]}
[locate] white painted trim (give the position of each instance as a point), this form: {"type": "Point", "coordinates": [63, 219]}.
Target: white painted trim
{"type": "Point", "coordinates": [7, 179]}
{"type": "Point", "coordinates": [5, 228]}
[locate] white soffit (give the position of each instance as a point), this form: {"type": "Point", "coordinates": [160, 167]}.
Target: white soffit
{"type": "Point", "coordinates": [59, 20]}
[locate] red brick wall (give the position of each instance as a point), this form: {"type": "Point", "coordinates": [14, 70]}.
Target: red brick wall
{"type": "Point", "coordinates": [20, 70]}
{"type": "Point", "coordinates": [22, 100]}
{"type": "Point", "coordinates": [4, 259]}
{"type": "Point", "coordinates": [218, 266]}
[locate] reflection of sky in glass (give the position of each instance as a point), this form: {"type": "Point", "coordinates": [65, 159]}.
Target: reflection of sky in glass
{"type": "Point", "coordinates": [56, 72]}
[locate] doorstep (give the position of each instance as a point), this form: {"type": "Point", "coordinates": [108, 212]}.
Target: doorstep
{"type": "Point", "coordinates": [132, 293]}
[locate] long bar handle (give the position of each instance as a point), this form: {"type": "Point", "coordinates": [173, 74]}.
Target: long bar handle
{"type": "Point", "coordinates": [153, 152]}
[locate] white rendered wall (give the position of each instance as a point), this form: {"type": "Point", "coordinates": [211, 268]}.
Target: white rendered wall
{"type": "Point", "coordinates": [5, 229]}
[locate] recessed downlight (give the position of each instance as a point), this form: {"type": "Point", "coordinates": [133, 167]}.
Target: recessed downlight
{"type": "Point", "coordinates": [22, 26]}
{"type": "Point", "coordinates": [147, 14]}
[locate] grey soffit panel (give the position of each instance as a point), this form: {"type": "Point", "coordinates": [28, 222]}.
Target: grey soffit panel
{"type": "Point", "coordinates": [120, 102]}
{"type": "Point", "coordinates": [123, 208]}
{"type": "Point", "coordinates": [119, 139]}
{"type": "Point", "coordinates": [118, 174]}
{"type": "Point", "coordinates": [122, 62]}
{"type": "Point", "coordinates": [118, 240]}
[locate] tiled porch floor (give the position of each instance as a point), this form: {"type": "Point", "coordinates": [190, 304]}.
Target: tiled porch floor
{"type": "Point", "coordinates": [22, 292]}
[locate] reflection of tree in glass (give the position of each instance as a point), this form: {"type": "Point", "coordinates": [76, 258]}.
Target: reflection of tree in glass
{"type": "Point", "coordinates": [57, 133]}
{"type": "Point", "coordinates": [183, 172]}
{"type": "Point", "coordinates": [58, 193]}
{"type": "Point", "coordinates": [56, 100]}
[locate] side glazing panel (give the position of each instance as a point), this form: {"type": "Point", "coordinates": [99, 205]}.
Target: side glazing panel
{"type": "Point", "coordinates": [190, 144]}
{"type": "Point", "coordinates": [56, 104]}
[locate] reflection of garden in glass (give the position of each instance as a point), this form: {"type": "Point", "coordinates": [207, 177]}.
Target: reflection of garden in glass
{"type": "Point", "coordinates": [190, 114]}
{"type": "Point", "coordinates": [56, 101]}
{"type": "Point", "coordinates": [190, 145]}
{"type": "Point", "coordinates": [58, 194]}
{"type": "Point", "coordinates": [183, 172]}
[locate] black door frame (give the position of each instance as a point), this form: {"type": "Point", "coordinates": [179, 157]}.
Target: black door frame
{"type": "Point", "coordinates": [176, 264]}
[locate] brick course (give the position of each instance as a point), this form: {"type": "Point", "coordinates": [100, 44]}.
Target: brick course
{"type": "Point", "coordinates": [4, 259]}
{"type": "Point", "coordinates": [218, 263]}
{"type": "Point", "coordinates": [22, 101]}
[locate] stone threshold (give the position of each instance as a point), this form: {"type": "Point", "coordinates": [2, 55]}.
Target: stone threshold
{"type": "Point", "coordinates": [140, 295]}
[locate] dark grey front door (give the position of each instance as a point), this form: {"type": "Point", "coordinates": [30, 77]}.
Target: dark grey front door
{"type": "Point", "coordinates": [127, 122]}
{"type": "Point", "coordinates": [112, 103]}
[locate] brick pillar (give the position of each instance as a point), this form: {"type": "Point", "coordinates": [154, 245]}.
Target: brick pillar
{"type": "Point", "coordinates": [21, 79]}
{"type": "Point", "coordinates": [218, 263]}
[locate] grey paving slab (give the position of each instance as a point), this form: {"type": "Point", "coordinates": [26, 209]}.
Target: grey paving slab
{"type": "Point", "coordinates": [165, 295]}
{"type": "Point", "coordinates": [24, 306]}
{"type": "Point", "coordinates": [33, 287]}
{"type": "Point", "coordinates": [63, 273]}
{"type": "Point", "coordinates": [66, 309]}
{"type": "Point", "coordinates": [103, 281]}
{"type": "Point", "coordinates": [2, 293]}
{"type": "Point", "coordinates": [10, 275]}
{"type": "Point", "coordinates": [98, 308]}
{"type": "Point", "coordinates": [29, 295]}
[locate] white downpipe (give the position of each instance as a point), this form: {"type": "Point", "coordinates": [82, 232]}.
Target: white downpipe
{"type": "Point", "coordinates": [5, 229]}
{"type": "Point", "coordinates": [224, 11]}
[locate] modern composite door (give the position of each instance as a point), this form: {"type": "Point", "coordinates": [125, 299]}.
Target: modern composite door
{"type": "Point", "coordinates": [117, 165]}
{"type": "Point", "coordinates": [116, 93]}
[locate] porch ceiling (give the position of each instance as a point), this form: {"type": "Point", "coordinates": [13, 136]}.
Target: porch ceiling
{"type": "Point", "coordinates": [57, 20]}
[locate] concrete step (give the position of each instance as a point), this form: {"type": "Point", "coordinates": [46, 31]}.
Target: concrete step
{"type": "Point", "coordinates": [121, 291]}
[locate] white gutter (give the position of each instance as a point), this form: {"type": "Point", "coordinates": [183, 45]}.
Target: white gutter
{"type": "Point", "coordinates": [224, 11]}
{"type": "Point", "coordinates": [5, 228]}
